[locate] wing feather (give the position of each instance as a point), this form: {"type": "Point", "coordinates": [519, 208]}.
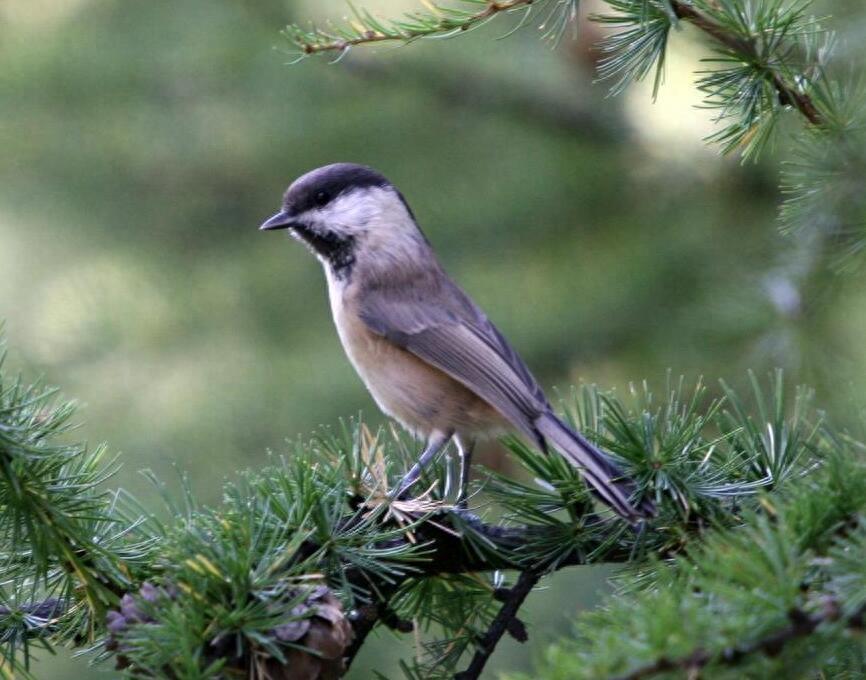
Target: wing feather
{"type": "Point", "coordinates": [453, 335]}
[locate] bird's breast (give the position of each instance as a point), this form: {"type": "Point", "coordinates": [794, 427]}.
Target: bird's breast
{"type": "Point", "coordinates": [420, 396]}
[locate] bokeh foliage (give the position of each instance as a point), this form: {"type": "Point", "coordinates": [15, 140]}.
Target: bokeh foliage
{"type": "Point", "coordinates": [142, 146]}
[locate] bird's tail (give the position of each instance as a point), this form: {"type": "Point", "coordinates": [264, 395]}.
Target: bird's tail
{"type": "Point", "coordinates": [606, 481]}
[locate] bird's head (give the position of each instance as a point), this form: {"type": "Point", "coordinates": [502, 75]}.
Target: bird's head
{"type": "Point", "coordinates": [341, 209]}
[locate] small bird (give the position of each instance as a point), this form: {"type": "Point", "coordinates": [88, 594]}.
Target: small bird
{"type": "Point", "coordinates": [426, 352]}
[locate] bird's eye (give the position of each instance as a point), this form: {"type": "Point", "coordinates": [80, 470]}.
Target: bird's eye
{"type": "Point", "coordinates": [321, 198]}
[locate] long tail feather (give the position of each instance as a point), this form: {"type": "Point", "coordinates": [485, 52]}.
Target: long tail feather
{"type": "Point", "coordinates": [605, 479]}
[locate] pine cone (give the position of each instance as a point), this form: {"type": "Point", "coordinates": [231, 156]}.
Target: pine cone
{"type": "Point", "coordinates": [130, 613]}
{"type": "Point", "coordinates": [324, 634]}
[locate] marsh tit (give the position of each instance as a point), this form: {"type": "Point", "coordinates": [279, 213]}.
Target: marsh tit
{"type": "Point", "coordinates": [428, 355]}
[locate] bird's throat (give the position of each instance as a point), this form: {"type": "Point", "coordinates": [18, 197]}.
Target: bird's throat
{"type": "Point", "coordinates": [337, 250]}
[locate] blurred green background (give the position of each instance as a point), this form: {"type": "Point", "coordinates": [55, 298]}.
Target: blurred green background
{"type": "Point", "coordinates": [142, 144]}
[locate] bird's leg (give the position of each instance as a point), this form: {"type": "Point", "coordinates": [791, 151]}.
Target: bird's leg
{"type": "Point", "coordinates": [435, 443]}
{"type": "Point", "coordinates": [464, 450]}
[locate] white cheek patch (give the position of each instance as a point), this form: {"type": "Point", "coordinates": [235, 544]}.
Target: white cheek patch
{"type": "Point", "coordinates": [356, 211]}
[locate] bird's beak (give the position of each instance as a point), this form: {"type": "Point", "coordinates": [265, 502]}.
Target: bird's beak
{"type": "Point", "coordinates": [282, 220]}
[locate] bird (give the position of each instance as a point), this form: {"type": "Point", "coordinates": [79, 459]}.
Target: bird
{"type": "Point", "coordinates": [428, 355]}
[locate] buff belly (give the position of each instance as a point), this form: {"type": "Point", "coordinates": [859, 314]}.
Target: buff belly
{"type": "Point", "coordinates": [421, 397]}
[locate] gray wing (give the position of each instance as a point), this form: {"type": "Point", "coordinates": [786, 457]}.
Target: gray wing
{"type": "Point", "coordinates": [439, 324]}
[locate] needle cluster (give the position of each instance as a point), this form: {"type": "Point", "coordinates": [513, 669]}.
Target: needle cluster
{"type": "Point", "coordinates": [436, 20]}
{"type": "Point", "coordinates": [759, 523]}
{"type": "Point", "coordinates": [768, 61]}
{"type": "Point", "coordinates": [781, 595]}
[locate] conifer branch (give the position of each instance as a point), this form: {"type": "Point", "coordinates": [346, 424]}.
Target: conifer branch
{"type": "Point", "coordinates": [802, 625]}
{"type": "Point", "coordinates": [769, 57]}
{"type": "Point", "coordinates": [790, 572]}
{"type": "Point", "coordinates": [789, 95]}
{"type": "Point", "coordinates": [300, 562]}
{"type": "Point", "coordinates": [364, 29]}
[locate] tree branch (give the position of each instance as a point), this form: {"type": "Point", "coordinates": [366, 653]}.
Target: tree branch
{"type": "Point", "coordinates": [788, 94]}
{"type": "Point", "coordinates": [801, 625]}
{"type": "Point", "coordinates": [451, 552]}
{"type": "Point", "coordinates": [500, 625]}
{"type": "Point", "coordinates": [365, 30]}
{"type": "Point", "coordinates": [442, 20]}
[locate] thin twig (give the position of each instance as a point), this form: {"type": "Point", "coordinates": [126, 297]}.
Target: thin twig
{"type": "Point", "coordinates": [339, 44]}
{"type": "Point", "coordinates": [500, 625]}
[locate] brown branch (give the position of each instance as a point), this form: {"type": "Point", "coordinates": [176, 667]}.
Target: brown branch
{"type": "Point", "coordinates": [500, 625]}
{"type": "Point", "coordinates": [363, 622]}
{"type": "Point", "coordinates": [788, 94]}
{"type": "Point", "coordinates": [365, 619]}
{"type": "Point", "coordinates": [452, 552]}
{"type": "Point", "coordinates": [338, 44]}
{"type": "Point", "coordinates": [801, 625]}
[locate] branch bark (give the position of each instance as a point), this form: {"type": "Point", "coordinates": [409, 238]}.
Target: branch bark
{"type": "Point", "coordinates": [503, 623]}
